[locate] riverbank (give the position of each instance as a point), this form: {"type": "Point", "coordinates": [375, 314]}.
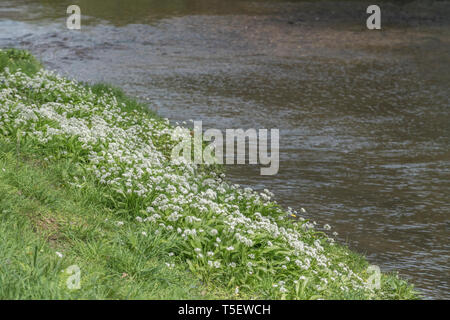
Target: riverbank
{"type": "Point", "coordinates": [90, 183]}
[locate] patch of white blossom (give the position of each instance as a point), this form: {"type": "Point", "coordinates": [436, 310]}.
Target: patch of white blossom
{"type": "Point", "coordinates": [123, 150]}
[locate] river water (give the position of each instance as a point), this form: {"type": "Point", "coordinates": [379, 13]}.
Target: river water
{"type": "Point", "coordinates": [363, 115]}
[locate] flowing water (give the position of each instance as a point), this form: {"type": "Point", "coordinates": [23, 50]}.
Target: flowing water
{"type": "Point", "coordinates": [363, 115]}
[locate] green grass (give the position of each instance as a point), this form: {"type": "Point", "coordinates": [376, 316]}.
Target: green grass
{"type": "Point", "coordinates": [53, 202]}
{"type": "Point", "coordinates": [41, 215]}
{"type": "Point", "coordinates": [18, 59]}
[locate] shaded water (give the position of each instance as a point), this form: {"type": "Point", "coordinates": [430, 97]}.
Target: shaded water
{"type": "Point", "coordinates": [363, 115]}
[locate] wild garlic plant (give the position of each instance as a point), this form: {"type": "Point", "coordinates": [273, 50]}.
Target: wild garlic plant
{"type": "Point", "coordinates": [231, 234]}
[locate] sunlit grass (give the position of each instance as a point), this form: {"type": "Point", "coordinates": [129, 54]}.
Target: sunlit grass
{"type": "Point", "coordinates": [40, 216]}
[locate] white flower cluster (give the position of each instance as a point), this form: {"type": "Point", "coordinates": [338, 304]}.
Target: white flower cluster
{"type": "Point", "coordinates": [127, 151]}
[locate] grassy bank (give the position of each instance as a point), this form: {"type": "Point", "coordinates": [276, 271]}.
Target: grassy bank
{"type": "Point", "coordinates": [87, 179]}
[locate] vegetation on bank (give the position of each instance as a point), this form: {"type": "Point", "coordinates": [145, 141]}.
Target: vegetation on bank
{"type": "Point", "coordinates": [87, 179]}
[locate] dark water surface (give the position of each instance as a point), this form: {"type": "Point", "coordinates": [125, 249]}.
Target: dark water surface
{"type": "Point", "coordinates": [363, 115]}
